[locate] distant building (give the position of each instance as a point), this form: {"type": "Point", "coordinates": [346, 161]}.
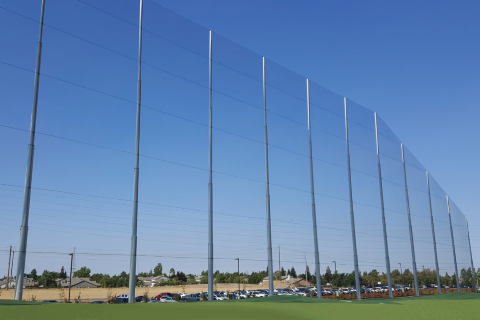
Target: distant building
{"type": "Point", "coordinates": [27, 283]}
{"type": "Point", "coordinates": [77, 283]}
{"type": "Point", "coordinates": [292, 282]}
{"type": "Point", "coordinates": [152, 281]}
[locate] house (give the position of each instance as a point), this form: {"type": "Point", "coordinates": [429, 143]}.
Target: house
{"type": "Point", "coordinates": [27, 283]}
{"type": "Point", "coordinates": [77, 283]}
{"type": "Point", "coordinates": [292, 282]}
{"type": "Point", "coordinates": [152, 281]}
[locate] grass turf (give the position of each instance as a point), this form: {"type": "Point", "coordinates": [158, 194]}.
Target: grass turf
{"type": "Point", "coordinates": [446, 306]}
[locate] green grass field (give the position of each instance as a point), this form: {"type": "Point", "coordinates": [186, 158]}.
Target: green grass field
{"type": "Point", "coordinates": [446, 306]}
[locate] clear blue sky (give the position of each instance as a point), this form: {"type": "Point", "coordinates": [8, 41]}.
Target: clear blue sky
{"type": "Point", "coordinates": [416, 64]}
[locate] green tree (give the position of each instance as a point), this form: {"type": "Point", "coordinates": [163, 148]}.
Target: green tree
{"type": "Point", "coordinates": [83, 272]}
{"type": "Point", "coordinates": [293, 273]}
{"type": "Point", "coordinates": [396, 276]}
{"type": "Point", "coordinates": [407, 277]}
{"type": "Point", "coordinates": [158, 270]}
{"type": "Point", "coordinates": [63, 273]}
{"type": "Point", "coordinates": [328, 276]}
{"type": "Point", "coordinates": [34, 275]}
{"type": "Point", "coordinates": [172, 271]}
{"type": "Point", "coordinates": [47, 279]}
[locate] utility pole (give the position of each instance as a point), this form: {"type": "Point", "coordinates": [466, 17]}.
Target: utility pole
{"type": "Point", "coordinates": [352, 215]}
{"type": "Point", "coordinates": [238, 259]}
{"type": "Point", "coordinates": [412, 245]}
{"type": "Point", "coordinates": [335, 272]}
{"type": "Point", "coordinates": [267, 185]}
{"type": "Point", "coordinates": [133, 246]}
{"type": "Point", "coordinates": [28, 177]}
{"type": "Point", "coordinates": [453, 246]}
{"type": "Point", "coordinates": [8, 270]}
{"type": "Point", "coordinates": [210, 173]}
{"type": "Point", "coordinates": [279, 270]}
{"type": "Point", "coordinates": [433, 236]}
{"type": "Point", "coordinates": [314, 211]}
{"type": "Point", "coordinates": [401, 271]}
{"type": "Point", "coordinates": [306, 274]}
{"type": "Point", "coordinates": [382, 205]}
{"type": "Point", "coordinates": [70, 285]}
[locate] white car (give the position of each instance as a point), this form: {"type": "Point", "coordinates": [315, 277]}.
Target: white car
{"type": "Point", "coordinates": [124, 295]}
{"type": "Point", "coordinates": [166, 299]}
{"type": "Point", "coordinates": [260, 294]}
{"type": "Point", "coordinates": [219, 297]}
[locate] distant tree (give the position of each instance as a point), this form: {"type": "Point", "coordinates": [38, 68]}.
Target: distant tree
{"type": "Point", "coordinates": [407, 277]}
{"type": "Point", "coordinates": [204, 279]}
{"type": "Point", "coordinates": [396, 276]}
{"type": "Point", "coordinates": [283, 272]}
{"type": "Point", "coordinates": [172, 271]}
{"type": "Point", "coordinates": [63, 273]}
{"type": "Point", "coordinates": [293, 273]}
{"type": "Point", "coordinates": [158, 270]}
{"type": "Point", "coordinates": [33, 275]}
{"type": "Point", "coordinates": [467, 276]}
{"type": "Point", "coordinates": [83, 272]}
{"type": "Point", "coordinates": [47, 279]}
{"type": "Point", "coordinates": [328, 276]}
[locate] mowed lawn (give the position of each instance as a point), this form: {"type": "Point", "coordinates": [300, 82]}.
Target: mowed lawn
{"type": "Point", "coordinates": [446, 306]}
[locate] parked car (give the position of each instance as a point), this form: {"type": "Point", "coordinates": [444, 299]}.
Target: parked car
{"type": "Point", "coordinates": [191, 297]}
{"type": "Point", "coordinates": [49, 301]}
{"type": "Point", "coordinates": [219, 297]}
{"type": "Point", "coordinates": [139, 299]}
{"type": "Point", "coordinates": [98, 302]}
{"type": "Point", "coordinates": [124, 295]}
{"type": "Point", "coordinates": [163, 294]}
{"type": "Point", "coordinates": [167, 299]}
{"type": "Point", "coordinates": [121, 300]}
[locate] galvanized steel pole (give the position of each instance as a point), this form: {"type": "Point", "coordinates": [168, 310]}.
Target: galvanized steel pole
{"type": "Point", "coordinates": [384, 224]}
{"type": "Point", "coordinates": [210, 173]}
{"type": "Point", "coordinates": [352, 216]}
{"type": "Point", "coordinates": [70, 283]}
{"type": "Point", "coordinates": [433, 236]}
{"type": "Point", "coordinates": [28, 177]}
{"type": "Point", "coordinates": [269, 226]}
{"type": "Point", "coordinates": [314, 212]}
{"type": "Point", "coordinates": [471, 257]}
{"type": "Point", "coordinates": [453, 244]}
{"type": "Point", "coordinates": [412, 246]}
{"type": "Point", "coordinates": [133, 250]}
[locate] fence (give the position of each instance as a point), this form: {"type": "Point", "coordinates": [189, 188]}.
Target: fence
{"type": "Point", "coordinates": [84, 155]}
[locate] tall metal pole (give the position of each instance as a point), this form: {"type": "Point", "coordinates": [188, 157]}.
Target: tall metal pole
{"type": "Point", "coordinates": [8, 270]}
{"type": "Point", "coordinates": [352, 216]}
{"type": "Point", "coordinates": [314, 212]}
{"type": "Point", "coordinates": [70, 285]}
{"type": "Point", "coordinates": [279, 270]}
{"type": "Point", "coordinates": [471, 257]}
{"type": "Point", "coordinates": [210, 183]}
{"type": "Point", "coordinates": [238, 295]}
{"type": "Point", "coordinates": [269, 226]}
{"type": "Point", "coordinates": [28, 177]}
{"type": "Point", "coordinates": [133, 252]}
{"type": "Point", "coordinates": [433, 236]}
{"type": "Point", "coordinates": [453, 244]}
{"type": "Point", "coordinates": [412, 246]}
{"type": "Point", "coordinates": [335, 272]}
{"type": "Point", "coordinates": [382, 205]}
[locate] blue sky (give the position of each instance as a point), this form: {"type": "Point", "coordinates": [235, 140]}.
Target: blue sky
{"type": "Point", "coordinates": [416, 64]}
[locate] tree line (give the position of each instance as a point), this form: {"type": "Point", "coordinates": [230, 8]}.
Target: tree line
{"type": "Point", "coordinates": [425, 277]}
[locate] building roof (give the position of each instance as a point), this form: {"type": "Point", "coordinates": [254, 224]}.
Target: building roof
{"type": "Point", "coordinates": [76, 281]}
